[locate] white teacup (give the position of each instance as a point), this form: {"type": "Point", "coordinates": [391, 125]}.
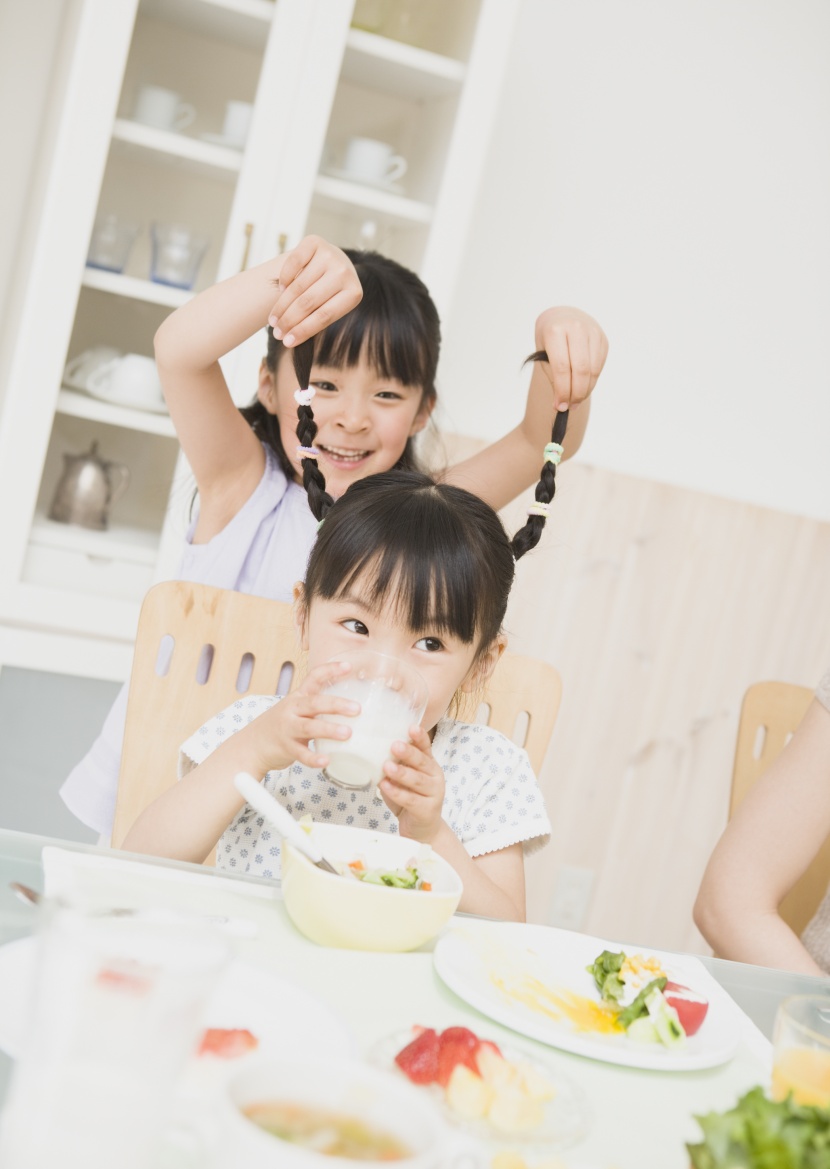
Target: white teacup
{"type": "Point", "coordinates": [79, 370]}
{"type": "Point", "coordinates": [128, 380]}
{"type": "Point", "coordinates": [377, 1098]}
{"type": "Point", "coordinates": [371, 161]}
{"type": "Point", "coordinates": [162, 108]}
{"type": "Point", "coordinates": [237, 123]}
{"type": "Point", "coordinates": [392, 696]}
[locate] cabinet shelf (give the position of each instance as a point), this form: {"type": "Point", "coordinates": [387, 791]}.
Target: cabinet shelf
{"type": "Point", "coordinates": [132, 139]}
{"type": "Point", "coordinates": [134, 545]}
{"type": "Point", "coordinates": [135, 289]}
{"type": "Point", "coordinates": [376, 62]}
{"type": "Point", "coordinates": [78, 405]}
{"type": "Point", "coordinates": [334, 194]}
{"type": "Point", "coordinates": [238, 22]}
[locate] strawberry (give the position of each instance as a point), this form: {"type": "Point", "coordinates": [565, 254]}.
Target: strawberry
{"type": "Point", "coordinates": [227, 1043]}
{"type": "Point", "coordinates": [691, 1007]}
{"type": "Point", "coordinates": [458, 1045]}
{"type": "Point", "coordinates": [419, 1059]}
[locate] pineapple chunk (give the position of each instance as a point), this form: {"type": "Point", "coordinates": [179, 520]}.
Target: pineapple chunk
{"type": "Point", "coordinates": [468, 1094]}
{"type": "Point", "coordinates": [494, 1068]}
{"type": "Point", "coordinates": [513, 1111]}
{"type": "Point", "coordinates": [537, 1086]}
{"type": "Point", "coordinates": [508, 1160]}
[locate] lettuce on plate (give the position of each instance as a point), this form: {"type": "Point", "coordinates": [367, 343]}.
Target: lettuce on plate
{"type": "Point", "coordinates": [759, 1133]}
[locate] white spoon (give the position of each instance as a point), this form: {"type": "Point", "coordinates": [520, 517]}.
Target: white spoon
{"type": "Point", "coordinates": [260, 798]}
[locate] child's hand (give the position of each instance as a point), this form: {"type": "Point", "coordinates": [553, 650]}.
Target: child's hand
{"type": "Point", "coordinates": [413, 787]}
{"type": "Point", "coordinates": [577, 348]}
{"type": "Point", "coordinates": [318, 285]}
{"type": "Point", "coordinates": [284, 730]}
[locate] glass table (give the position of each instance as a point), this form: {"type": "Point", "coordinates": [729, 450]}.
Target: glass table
{"type": "Point", "coordinates": [757, 990]}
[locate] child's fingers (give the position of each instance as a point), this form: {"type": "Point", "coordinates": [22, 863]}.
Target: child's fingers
{"type": "Point", "coordinates": [333, 309]}
{"type": "Point", "coordinates": [559, 367]}
{"type": "Point", "coordinates": [320, 677]}
{"type": "Point", "coordinates": [580, 354]}
{"type": "Point", "coordinates": [296, 260]}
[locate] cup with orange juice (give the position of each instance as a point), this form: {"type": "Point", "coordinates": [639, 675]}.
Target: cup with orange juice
{"type": "Point", "coordinates": [801, 1050]}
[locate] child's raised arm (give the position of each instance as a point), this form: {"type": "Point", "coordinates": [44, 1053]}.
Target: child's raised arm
{"type": "Point", "coordinates": [309, 288]}
{"type": "Point", "coordinates": [577, 348]}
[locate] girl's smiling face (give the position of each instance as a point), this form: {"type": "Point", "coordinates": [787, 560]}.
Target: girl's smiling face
{"type": "Point", "coordinates": [364, 420]}
{"type": "Point", "coordinates": [445, 662]}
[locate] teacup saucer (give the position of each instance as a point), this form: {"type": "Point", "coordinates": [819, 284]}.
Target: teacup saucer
{"type": "Point", "coordinates": [221, 140]}
{"type": "Point", "coordinates": [362, 181]}
{"type": "Point", "coordinates": [134, 402]}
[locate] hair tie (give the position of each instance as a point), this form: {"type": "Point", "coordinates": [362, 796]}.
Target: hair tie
{"type": "Point", "coordinates": [554, 452]}
{"type": "Point", "coordinates": [307, 452]}
{"type": "Point", "coordinates": [303, 397]}
{"type": "Point", "coordinates": [539, 508]}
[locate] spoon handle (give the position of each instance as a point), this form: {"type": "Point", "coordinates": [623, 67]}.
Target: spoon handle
{"type": "Point", "coordinates": [260, 798]}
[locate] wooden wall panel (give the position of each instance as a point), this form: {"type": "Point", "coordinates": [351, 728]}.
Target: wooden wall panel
{"type": "Point", "coordinates": [659, 606]}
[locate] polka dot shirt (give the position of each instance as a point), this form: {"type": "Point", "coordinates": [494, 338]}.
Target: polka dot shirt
{"type": "Point", "coordinates": [492, 798]}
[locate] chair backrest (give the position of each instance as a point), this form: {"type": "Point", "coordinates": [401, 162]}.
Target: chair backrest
{"type": "Point", "coordinates": [770, 713]}
{"type": "Point", "coordinates": [200, 648]}
{"type": "Point", "coordinates": [197, 650]}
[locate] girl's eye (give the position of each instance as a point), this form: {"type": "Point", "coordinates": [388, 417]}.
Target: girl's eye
{"type": "Point", "coordinates": [355, 626]}
{"type": "Point", "coordinates": [327, 387]}
{"type": "Point", "coordinates": [389, 395]}
{"type": "Point", "coordinates": [430, 644]}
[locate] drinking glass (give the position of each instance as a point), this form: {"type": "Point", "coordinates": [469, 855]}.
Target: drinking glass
{"type": "Point", "coordinates": [116, 1011]}
{"type": "Point", "coordinates": [111, 243]}
{"type": "Point", "coordinates": [801, 1050]}
{"type": "Point", "coordinates": [176, 255]}
{"type": "Point", "coordinates": [392, 696]}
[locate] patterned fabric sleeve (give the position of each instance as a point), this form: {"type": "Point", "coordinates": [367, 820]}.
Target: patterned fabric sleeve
{"type": "Point", "coordinates": [493, 799]}
{"type": "Point", "coordinates": [823, 691]}
{"type": "Point", "coordinates": [214, 732]}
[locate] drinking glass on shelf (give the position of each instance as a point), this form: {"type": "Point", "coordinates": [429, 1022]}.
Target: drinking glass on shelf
{"type": "Point", "coordinates": [116, 1010]}
{"type": "Point", "coordinates": [111, 243]}
{"type": "Point", "coordinates": [176, 254]}
{"type": "Point", "coordinates": [801, 1050]}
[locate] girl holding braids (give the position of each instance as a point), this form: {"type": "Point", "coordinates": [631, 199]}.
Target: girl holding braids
{"type": "Point", "coordinates": [421, 571]}
{"type": "Point", "coordinates": [374, 377]}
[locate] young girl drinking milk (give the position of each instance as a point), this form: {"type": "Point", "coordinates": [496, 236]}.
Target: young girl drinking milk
{"type": "Point", "coordinates": [421, 572]}
{"type": "Point", "coordinates": [374, 374]}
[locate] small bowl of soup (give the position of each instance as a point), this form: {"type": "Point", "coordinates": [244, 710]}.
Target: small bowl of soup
{"type": "Point", "coordinates": [394, 894]}
{"type": "Point", "coordinates": [329, 1114]}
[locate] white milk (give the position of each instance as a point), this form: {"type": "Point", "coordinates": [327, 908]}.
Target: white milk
{"type": "Point", "coordinates": [385, 715]}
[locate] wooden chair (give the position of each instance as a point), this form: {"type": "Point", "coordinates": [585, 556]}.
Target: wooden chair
{"type": "Point", "coordinates": [200, 648]}
{"type": "Point", "coordinates": [770, 713]}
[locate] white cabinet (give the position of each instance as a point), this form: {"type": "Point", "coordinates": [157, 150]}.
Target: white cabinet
{"type": "Point", "coordinates": [420, 76]}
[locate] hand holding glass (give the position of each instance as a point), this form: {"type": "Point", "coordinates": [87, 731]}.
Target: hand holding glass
{"type": "Point", "coordinates": [392, 696]}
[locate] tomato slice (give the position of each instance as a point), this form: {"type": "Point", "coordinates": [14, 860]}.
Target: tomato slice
{"type": "Point", "coordinates": [227, 1043]}
{"type": "Point", "coordinates": [691, 1007]}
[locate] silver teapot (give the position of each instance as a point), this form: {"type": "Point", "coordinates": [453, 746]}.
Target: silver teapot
{"type": "Point", "coordinates": [87, 489]}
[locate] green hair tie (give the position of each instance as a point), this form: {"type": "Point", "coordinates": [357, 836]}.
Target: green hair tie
{"type": "Point", "coordinates": [554, 452]}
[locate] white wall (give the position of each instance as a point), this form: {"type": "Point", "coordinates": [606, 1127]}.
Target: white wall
{"type": "Point", "coordinates": [664, 165]}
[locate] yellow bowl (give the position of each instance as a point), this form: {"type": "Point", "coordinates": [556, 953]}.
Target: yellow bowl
{"type": "Point", "coordinates": [354, 915]}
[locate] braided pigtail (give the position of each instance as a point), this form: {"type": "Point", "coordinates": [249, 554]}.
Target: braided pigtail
{"type": "Point", "coordinates": [528, 536]}
{"type": "Point", "coordinates": [314, 482]}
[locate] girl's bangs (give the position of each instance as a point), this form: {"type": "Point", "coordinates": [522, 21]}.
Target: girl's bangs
{"type": "Point", "coordinates": [383, 334]}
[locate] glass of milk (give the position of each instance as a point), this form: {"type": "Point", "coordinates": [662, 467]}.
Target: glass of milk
{"type": "Point", "coordinates": [392, 696]}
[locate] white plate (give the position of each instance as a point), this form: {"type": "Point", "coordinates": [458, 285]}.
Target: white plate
{"type": "Point", "coordinates": [284, 1017]}
{"type": "Point", "coordinates": [567, 1117]}
{"type": "Point", "coordinates": [380, 184]}
{"type": "Point", "coordinates": [513, 973]}
{"type": "Point", "coordinates": [221, 140]}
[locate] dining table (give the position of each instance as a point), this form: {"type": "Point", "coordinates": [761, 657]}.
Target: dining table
{"type": "Point", "coordinates": [640, 1118]}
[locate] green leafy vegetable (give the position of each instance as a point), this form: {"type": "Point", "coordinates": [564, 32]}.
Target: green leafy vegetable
{"type": "Point", "coordinates": [395, 878]}
{"type": "Point", "coordinates": [638, 1006]}
{"type": "Point", "coordinates": [606, 971]}
{"type": "Point", "coordinates": [759, 1133]}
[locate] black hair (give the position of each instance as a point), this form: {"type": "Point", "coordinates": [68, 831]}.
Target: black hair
{"type": "Point", "coordinates": [395, 326]}
{"type": "Point", "coordinates": [438, 553]}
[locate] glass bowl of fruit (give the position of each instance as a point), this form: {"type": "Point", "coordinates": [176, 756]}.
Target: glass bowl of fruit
{"type": "Point", "coordinates": [509, 1096]}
